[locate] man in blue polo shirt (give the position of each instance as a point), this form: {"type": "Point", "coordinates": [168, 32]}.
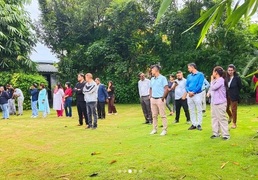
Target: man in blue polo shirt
{"type": "Point", "coordinates": [158, 93]}
{"type": "Point", "coordinates": [194, 84]}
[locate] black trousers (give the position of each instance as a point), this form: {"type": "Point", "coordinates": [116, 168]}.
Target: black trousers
{"type": "Point", "coordinates": [82, 112]}
{"type": "Point", "coordinates": [101, 110]}
{"type": "Point", "coordinates": [182, 103]}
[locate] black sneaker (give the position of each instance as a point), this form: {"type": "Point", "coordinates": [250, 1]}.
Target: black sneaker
{"type": "Point", "coordinates": [225, 138]}
{"type": "Point", "coordinates": [213, 137]}
{"type": "Point", "coordinates": [88, 127]}
{"type": "Point", "coordinates": [192, 127]}
{"type": "Point", "coordinates": [176, 121]}
{"type": "Point", "coordinates": [199, 127]}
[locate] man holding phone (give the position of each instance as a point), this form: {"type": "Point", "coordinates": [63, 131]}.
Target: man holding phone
{"type": "Point", "coordinates": [180, 96]}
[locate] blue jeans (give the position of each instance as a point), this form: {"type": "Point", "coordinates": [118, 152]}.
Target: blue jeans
{"type": "Point", "coordinates": [91, 111]}
{"type": "Point", "coordinates": [34, 108]}
{"type": "Point", "coordinates": [68, 106]}
{"type": "Point", "coordinates": [5, 110]}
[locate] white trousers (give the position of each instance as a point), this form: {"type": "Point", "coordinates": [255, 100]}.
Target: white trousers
{"type": "Point", "coordinates": [195, 109]}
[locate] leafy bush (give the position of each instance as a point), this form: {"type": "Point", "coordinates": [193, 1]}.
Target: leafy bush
{"type": "Point", "coordinates": [22, 81]}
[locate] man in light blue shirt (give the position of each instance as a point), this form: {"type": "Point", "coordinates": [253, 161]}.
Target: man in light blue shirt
{"type": "Point", "coordinates": [205, 88]}
{"type": "Point", "coordinates": [194, 85]}
{"type": "Point", "coordinates": [158, 93]}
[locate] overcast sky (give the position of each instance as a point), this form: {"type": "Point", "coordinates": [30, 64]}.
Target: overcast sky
{"type": "Point", "coordinates": [41, 53]}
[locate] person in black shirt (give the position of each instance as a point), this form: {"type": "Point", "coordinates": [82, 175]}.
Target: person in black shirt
{"type": "Point", "coordinates": [234, 86]}
{"type": "Point", "coordinates": [80, 102]}
{"type": "Point", "coordinates": [4, 102]}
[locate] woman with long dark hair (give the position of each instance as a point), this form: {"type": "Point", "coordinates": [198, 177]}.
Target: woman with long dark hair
{"type": "Point", "coordinates": [234, 87]}
{"type": "Point", "coordinates": [111, 98]}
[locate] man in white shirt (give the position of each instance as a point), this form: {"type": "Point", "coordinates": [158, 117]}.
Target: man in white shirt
{"type": "Point", "coordinates": [144, 93]}
{"type": "Point", "coordinates": [180, 96]}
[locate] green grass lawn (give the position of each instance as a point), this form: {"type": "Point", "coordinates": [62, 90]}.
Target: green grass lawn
{"type": "Point", "coordinates": [55, 148]}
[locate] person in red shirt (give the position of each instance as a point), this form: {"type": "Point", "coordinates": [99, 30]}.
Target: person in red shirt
{"type": "Point", "coordinates": [68, 99]}
{"type": "Point", "coordinates": [255, 80]}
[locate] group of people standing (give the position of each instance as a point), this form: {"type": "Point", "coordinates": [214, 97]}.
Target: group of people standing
{"type": "Point", "coordinates": [91, 97]}
{"type": "Point", "coordinates": [8, 95]}
{"type": "Point", "coordinates": [190, 93]}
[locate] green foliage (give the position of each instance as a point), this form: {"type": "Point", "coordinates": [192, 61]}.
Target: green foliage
{"type": "Point", "coordinates": [16, 37]}
{"type": "Point", "coordinates": [115, 40]}
{"type": "Point", "coordinates": [213, 15]}
{"type": "Point", "coordinates": [22, 81]}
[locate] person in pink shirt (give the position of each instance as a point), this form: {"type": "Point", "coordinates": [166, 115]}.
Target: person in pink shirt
{"type": "Point", "coordinates": [255, 80]}
{"type": "Point", "coordinates": [218, 93]}
{"type": "Point", "coordinates": [68, 99]}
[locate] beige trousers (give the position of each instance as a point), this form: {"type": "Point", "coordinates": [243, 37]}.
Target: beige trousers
{"type": "Point", "coordinates": [219, 120]}
{"type": "Point", "coordinates": [158, 107]}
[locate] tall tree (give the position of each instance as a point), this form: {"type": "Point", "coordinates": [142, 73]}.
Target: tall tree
{"type": "Point", "coordinates": [16, 37]}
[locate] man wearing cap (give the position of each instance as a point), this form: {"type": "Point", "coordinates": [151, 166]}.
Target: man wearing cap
{"type": "Point", "coordinates": [194, 84]}
{"type": "Point", "coordinates": [158, 93]}
{"type": "Point", "coordinates": [144, 92]}
{"type": "Point", "coordinates": [34, 100]}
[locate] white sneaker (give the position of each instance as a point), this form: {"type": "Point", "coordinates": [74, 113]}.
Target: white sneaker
{"type": "Point", "coordinates": [153, 132]}
{"type": "Point", "coordinates": [163, 133]}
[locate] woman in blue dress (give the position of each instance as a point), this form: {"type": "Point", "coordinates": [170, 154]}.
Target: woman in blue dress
{"type": "Point", "coordinates": [43, 100]}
